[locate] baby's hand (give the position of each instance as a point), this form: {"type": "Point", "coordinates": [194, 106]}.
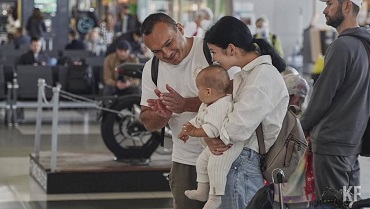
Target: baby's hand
{"type": "Point", "coordinates": [183, 136]}
{"type": "Point", "coordinates": [188, 128]}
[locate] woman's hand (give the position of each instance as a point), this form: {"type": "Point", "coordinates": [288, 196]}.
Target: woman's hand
{"type": "Point", "coordinates": [216, 145]}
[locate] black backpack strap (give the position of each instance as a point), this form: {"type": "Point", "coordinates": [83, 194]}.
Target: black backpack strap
{"type": "Point", "coordinates": [155, 63]}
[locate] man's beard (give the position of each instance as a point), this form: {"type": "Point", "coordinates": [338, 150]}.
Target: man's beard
{"type": "Point", "coordinates": [337, 19]}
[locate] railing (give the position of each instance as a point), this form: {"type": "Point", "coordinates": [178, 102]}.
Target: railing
{"type": "Point", "coordinates": [76, 101]}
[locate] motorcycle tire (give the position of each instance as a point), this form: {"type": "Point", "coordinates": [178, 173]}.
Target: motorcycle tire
{"type": "Point", "coordinates": [124, 134]}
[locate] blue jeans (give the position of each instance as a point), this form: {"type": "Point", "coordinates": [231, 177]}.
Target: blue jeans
{"type": "Point", "coordinates": [243, 181]}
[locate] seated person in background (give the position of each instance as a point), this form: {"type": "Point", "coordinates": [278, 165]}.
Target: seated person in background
{"type": "Point", "coordinates": [136, 44]}
{"type": "Point", "coordinates": [63, 60]}
{"type": "Point", "coordinates": [134, 38]}
{"type": "Point", "coordinates": [213, 84]}
{"type": "Point", "coordinates": [73, 42]}
{"type": "Point", "coordinates": [35, 56]}
{"type": "Point", "coordinates": [92, 39]}
{"type": "Point", "coordinates": [20, 39]}
{"type": "Point", "coordinates": [114, 83]}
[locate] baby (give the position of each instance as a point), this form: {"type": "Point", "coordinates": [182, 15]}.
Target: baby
{"type": "Point", "coordinates": [213, 83]}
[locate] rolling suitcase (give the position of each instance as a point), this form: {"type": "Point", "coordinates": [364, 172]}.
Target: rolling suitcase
{"type": "Point", "coordinates": [264, 198]}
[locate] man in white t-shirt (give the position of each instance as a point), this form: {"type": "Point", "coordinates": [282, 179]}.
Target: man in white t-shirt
{"type": "Point", "coordinates": [174, 100]}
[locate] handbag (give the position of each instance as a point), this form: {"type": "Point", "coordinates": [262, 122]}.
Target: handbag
{"type": "Point", "coordinates": [288, 149]}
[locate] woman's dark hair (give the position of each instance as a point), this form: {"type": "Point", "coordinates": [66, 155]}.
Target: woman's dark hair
{"type": "Point", "coordinates": [229, 30]}
{"type": "Point", "coordinates": [151, 20]}
{"type": "Point", "coordinates": [36, 13]}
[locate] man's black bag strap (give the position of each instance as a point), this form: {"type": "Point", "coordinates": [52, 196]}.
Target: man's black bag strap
{"type": "Point", "coordinates": [155, 64]}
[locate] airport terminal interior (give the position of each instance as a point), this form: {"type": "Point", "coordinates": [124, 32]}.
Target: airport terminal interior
{"type": "Point", "coordinates": [66, 144]}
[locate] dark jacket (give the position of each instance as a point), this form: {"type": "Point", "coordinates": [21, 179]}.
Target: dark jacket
{"type": "Point", "coordinates": [21, 41]}
{"type": "Point", "coordinates": [35, 27]}
{"type": "Point", "coordinates": [124, 37]}
{"type": "Point", "coordinates": [28, 58]}
{"type": "Point", "coordinates": [75, 45]}
{"type": "Point", "coordinates": [339, 107]}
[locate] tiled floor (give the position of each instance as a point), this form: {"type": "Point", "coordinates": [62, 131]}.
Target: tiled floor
{"type": "Point", "coordinates": [80, 134]}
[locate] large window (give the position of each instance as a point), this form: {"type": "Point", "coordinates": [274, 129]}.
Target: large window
{"type": "Point", "coordinates": [46, 6]}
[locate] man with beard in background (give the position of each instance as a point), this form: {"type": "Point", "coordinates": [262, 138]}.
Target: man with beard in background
{"type": "Point", "coordinates": [337, 114]}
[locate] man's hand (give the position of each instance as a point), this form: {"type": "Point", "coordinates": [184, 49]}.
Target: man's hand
{"type": "Point", "coordinates": [157, 106]}
{"type": "Point", "coordinates": [216, 145]}
{"type": "Point", "coordinates": [172, 100]}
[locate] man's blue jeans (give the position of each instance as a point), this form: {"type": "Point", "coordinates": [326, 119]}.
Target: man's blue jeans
{"type": "Point", "coordinates": [243, 181]}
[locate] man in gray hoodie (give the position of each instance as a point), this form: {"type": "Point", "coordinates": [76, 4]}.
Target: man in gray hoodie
{"type": "Point", "coordinates": [337, 114]}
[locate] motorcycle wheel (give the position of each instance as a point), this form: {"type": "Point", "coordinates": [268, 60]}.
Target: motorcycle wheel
{"type": "Point", "coordinates": [124, 134]}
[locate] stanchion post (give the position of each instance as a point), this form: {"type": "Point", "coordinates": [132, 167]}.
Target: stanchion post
{"type": "Point", "coordinates": [54, 138]}
{"type": "Point", "coordinates": [9, 104]}
{"type": "Point", "coordinates": [41, 89]}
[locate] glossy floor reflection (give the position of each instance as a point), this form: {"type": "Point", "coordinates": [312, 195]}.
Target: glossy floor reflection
{"type": "Point", "coordinates": [80, 133]}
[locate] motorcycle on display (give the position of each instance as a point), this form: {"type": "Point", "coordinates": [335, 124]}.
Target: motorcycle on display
{"type": "Point", "coordinates": [122, 131]}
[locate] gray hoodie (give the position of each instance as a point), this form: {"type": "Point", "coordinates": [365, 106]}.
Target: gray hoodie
{"type": "Point", "coordinates": [339, 108]}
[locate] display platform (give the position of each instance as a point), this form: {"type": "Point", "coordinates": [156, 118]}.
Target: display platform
{"type": "Point", "coordinates": [98, 173]}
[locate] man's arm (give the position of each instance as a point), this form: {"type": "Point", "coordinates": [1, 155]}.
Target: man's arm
{"type": "Point", "coordinates": [192, 104]}
{"type": "Point", "coordinates": [326, 87]}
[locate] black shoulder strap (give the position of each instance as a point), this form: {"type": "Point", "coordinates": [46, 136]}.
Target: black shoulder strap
{"type": "Point", "coordinates": [261, 140]}
{"type": "Point", "coordinates": [155, 63]}
{"type": "Point", "coordinates": [154, 70]}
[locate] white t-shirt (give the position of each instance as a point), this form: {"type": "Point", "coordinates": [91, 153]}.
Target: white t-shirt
{"type": "Point", "coordinates": [181, 78]}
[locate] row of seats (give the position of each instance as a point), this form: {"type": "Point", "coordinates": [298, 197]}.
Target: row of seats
{"type": "Point", "coordinates": [18, 86]}
{"type": "Point", "coordinates": [10, 56]}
